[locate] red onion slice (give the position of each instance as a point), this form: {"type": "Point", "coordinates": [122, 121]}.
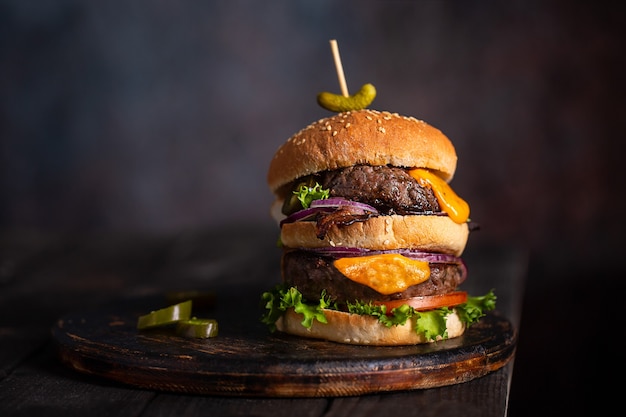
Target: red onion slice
{"type": "Point", "coordinates": [326, 205]}
{"type": "Point", "coordinates": [343, 251]}
{"type": "Point", "coordinates": [336, 202]}
{"type": "Point", "coordinates": [305, 214]}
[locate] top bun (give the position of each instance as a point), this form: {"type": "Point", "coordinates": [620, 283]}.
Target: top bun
{"type": "Point", "coordinates": [362, 137]}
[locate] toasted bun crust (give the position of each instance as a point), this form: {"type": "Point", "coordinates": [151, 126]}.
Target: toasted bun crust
{"type": "Point", "coordinates": [362, 330]}
{"type": "Point", "coordinates": [423, 232]}
{"type": "Point", "coordinates": [362, 137]}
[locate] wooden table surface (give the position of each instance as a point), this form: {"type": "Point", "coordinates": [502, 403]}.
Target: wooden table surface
{"type": "Point", "coordinates": [45, 278]}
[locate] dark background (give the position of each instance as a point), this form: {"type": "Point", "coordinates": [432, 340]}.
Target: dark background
{"type": "Point", "coordinates": [161, 117]}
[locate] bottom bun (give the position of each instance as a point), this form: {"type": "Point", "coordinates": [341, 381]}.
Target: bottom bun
{"type": "Point", "coordinates": [355, 329]}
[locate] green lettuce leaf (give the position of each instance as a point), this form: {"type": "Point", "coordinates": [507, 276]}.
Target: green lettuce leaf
{"type": "Point", "coordinates": [280, 299]}
{"type": "Point", "coordinates": [475, 307]}
{"type": "Point", "coordinates": [306, 194]}
{"type": "Point", "coordinates": [431, 323]}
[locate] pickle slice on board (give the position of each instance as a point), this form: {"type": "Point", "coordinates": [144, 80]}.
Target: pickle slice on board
{"type": "Point", "coordinates": [165, 316]}
{"type": "Point", "coordinates": [197, 328]}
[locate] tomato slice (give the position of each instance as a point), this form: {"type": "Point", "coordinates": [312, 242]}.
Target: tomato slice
{"type": "Point", "coordinates": [428, 302]}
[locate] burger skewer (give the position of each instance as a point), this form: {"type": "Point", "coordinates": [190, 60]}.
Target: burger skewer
{"type": "Point", "coordinates": [339, 67]}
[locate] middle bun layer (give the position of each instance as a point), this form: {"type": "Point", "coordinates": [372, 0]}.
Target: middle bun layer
{"type": "Point", "coordinates": [429, 233]}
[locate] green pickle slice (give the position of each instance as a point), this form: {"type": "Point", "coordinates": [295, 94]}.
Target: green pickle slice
{"type": "Point", "coordinates": [197, 328]}
{"type": "Point", "coordinates": [165, 316]}
{"type": "Point", "coordinates": [338, 103]}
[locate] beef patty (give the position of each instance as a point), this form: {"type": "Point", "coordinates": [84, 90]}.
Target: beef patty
{"type": "Point", "coordinates": [390, 190]}
{"type": "Point", "coordinates": [312, 274]}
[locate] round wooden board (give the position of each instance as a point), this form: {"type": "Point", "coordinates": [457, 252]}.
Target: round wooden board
{"type": "Point", "coordinates": [246, 360]}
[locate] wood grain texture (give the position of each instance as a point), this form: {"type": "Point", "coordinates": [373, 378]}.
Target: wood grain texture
{"type": "Point", "coordinates": [246, 360]}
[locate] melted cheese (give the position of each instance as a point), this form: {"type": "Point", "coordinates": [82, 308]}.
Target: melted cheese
{"type": "Point", "coordinates": [456, 208]}
{"type": "Point", "coordinates": [387, 273]}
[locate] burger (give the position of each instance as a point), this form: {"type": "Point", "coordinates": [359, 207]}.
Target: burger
{"type": "Point", "coordinates": [371, 233]}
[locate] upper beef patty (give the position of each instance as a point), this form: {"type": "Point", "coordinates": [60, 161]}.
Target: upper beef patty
{"type": "Point", "coordinates": [390, 190]}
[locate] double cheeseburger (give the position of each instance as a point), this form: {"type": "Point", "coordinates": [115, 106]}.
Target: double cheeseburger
{"type": "Point", "coordinates": [371, 233]}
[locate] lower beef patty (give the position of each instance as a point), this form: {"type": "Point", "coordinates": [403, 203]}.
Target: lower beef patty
{"type": "Point", "coordinates": [312, 274]}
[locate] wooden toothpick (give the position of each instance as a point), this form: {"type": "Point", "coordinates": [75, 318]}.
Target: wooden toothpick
{"type": "Point", "coordinates": [340, 75]}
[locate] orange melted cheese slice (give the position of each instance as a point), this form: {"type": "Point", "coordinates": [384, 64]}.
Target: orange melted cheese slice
{"type": "Point", "coordinates": [387, 273]}
{"type": "Point", "coordinates": [457, 208]}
